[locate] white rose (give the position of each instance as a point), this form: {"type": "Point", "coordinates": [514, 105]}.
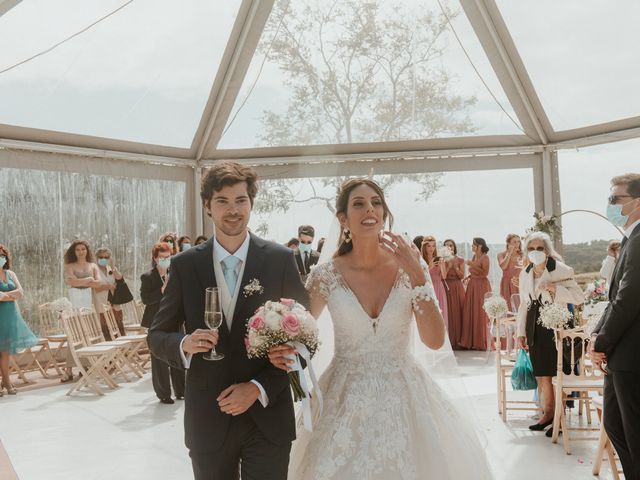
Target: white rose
{"type": "Point", "coordinates": [272, 319]}
{"type": "Point", "coordinates": [255, 339]}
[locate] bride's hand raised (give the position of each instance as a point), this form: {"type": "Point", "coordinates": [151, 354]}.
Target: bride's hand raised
{"type": "Point", "coordinates": [406, 255]}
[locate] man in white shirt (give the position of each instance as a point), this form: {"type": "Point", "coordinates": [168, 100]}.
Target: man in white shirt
{"type": "Point", "coordinates": [609, 263]}
{"type": "Point", "coordinates": [238, 411]}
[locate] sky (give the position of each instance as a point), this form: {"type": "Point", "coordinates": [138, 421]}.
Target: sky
{"type": "Point", "coordinates": [145, 73]}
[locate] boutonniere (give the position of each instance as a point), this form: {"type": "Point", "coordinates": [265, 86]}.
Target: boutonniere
{"type": "Point", "coordinates": [252, 288]}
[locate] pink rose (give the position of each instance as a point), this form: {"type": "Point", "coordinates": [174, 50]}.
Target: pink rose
{"type": "Point", "coordinates": [256, 322]}
{"type": "Point", "coordinates": [287, 302]}
{"type": "Point", "coordinates": [290, 324]}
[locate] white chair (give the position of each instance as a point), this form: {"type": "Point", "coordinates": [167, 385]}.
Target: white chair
{"type": "Point", "coordinates": [584, 382]}
{"type": "Point", "coordinates": [604, 445]}
{"type": "Point", "coordinates": [92, 361]}
{"type": "Point", "coordinates": [505, 361]}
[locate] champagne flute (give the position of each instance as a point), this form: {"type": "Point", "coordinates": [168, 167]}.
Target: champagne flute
{"type": "Point", "coordinates": [212, 318]}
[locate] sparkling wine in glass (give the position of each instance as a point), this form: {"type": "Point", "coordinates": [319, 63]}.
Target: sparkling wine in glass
{"type": "Point", "coordinates": [212, 318]}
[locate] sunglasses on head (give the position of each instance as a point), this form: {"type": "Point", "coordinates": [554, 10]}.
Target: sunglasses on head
{"type": "Point", "coordinates": [539, 249]}
{"type": "Point", "coordinates": [613, 199]}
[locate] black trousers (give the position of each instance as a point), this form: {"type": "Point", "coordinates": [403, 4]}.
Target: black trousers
{"type": "Point", "coordinates": [622, 419]}
{"type": "Point", "coordinates": [162, 376]}
{"type": "Point", "coordinates": [245, 451]}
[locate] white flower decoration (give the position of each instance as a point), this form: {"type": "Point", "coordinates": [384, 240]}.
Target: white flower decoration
{"type": "Point", "coordinates": [253, 287]}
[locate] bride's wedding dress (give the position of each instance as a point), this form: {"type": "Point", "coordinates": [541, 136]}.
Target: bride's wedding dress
{"type": "Point", "coordinates": [384, 416]}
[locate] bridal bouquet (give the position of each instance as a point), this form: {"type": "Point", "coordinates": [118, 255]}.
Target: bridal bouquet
{"type": "Point", "coordinates": [596, 292]}
{"type": "Point", "coordinates": [277, 323]}
{"type": "Point", "coordinates": [554, 316]}
{"type": "Point", "coordinates": [495, 306]}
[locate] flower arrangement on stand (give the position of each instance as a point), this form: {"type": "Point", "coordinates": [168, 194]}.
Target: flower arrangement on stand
{"type": "Point", "coordinates": [495, 307]}
{"type": "Point", "coordinates": [548, 224]}
{"type": "Point", "coordinates": [596, 292]}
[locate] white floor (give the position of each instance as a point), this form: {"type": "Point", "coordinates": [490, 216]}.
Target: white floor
{"type": "Point", "coordinates": [127, 434]}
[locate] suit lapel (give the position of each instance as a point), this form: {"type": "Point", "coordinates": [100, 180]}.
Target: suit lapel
{"type": "Point", "coordinates": [205, 271]}
{"type": "Point", "coordinates": [252, 269]}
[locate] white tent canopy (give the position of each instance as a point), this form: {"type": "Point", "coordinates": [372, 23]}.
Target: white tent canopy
{"type": "Point", "coordinates": [189, 72]}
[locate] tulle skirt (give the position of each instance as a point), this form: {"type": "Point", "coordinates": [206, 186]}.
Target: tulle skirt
{"type": "Point", "coordinates": [385, 418]}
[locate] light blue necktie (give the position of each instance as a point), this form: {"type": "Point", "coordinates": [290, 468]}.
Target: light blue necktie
{"type": "Point", "coordinates": [229, 265]}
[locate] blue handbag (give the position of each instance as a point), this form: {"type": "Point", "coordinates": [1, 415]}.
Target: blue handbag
{"type": "Point", "coordinates": [522, 377]}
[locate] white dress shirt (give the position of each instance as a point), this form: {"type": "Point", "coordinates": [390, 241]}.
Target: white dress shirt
{"type": "Point", "coordinates": [632, 227]}
{"type": "Point", "coordinates": [228, 299]}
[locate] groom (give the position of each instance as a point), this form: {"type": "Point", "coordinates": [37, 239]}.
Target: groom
{"type": "Point", "coordinates": [238, 412]}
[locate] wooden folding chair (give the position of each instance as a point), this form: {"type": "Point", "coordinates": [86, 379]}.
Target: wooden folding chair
{"type": "Point", "coordinates": [604, 445]}
{"type": "Point", "coordinates": [586, 380]}
{"type": "Point", "coordinates": [92, 331]}
{"type": "Point", "coordinates": [92, 361]}
{"type": "Point", "coordinates": [132, 318]}
{"type": "Point", "coordinates": [134, 343]}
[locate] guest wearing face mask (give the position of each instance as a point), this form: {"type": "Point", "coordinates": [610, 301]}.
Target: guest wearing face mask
{"type": "Point", "coordinates": [171, 239]}
{"type": "Point", "coordinates": [14, 332]}
{"type": "Point", "coordinates": [305, 256]}
{"type": "Point", "coordinates": [151, 291]}
{"type": "Point", "coordinates": [545, 280]}
{"type": "Point", "coordinates": [184, 243]}
{"type": "Point", "coordinates": [107, 275]}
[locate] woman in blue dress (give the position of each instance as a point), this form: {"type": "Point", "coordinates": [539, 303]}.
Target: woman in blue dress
{"type": "Point", "coordinates": [14, 332]}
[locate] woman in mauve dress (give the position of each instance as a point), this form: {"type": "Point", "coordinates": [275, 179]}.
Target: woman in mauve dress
{"type": "Point", "coordinates": [475, 322]}
{"type": "Point", "coordinates": [454, 291]}
{"type": "Point", "coordinates": [510, 262]}
{"type": "Point", "coordinates": [438, 272]}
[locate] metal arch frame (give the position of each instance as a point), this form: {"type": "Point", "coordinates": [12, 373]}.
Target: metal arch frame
{"type": "Point", "coordinates": [539, 145]}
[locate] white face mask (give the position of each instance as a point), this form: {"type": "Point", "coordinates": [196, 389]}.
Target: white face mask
{"type": "Point", "coordinates": [537, 257]}
{"type": "Point", "coordinates": [304, 248]}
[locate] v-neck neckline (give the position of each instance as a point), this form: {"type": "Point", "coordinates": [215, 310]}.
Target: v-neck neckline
{"type": "Point", "coordinates": [353, 293]}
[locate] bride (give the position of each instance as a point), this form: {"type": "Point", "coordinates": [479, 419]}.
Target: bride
{"type": "Point", "coordinates": [384, 416]}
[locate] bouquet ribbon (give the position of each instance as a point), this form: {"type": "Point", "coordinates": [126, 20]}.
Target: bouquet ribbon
{"type": "Point", "coordinates": [306, 399]}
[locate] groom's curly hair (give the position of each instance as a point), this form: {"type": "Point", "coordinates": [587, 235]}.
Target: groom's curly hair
{"type": "Point", "coordinates": [342, 203]}
{"type": "Point", "coordinates": [227, 174]}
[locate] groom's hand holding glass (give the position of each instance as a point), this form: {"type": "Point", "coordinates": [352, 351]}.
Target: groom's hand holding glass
{"type": "Point", "coordinates": [200, 341]}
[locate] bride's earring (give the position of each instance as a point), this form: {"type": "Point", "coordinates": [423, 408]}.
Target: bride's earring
{"type": "Point", "coordinates": [347, 234]}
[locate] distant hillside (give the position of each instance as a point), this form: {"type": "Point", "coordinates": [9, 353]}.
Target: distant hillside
{"type": "Point", "coordinates": [586, 257]}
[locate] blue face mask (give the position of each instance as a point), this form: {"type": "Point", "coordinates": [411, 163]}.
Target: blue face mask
{"type": "Point", "coordinates": [615, 216]}
{"type": "Point", "coordinates": [304, 248]}
{"type": "Point", "coordinates": [103, 262]}
{"type": "Point", "coordinates": [164, 263]}
{"type": "Point", "coordinates": [3, 260]}
{"type": "Point", "coordinates": [186, 246]}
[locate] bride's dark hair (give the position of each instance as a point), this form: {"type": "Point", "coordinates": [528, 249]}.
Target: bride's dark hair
{"type": "Point", "coordinates": [342, 203]}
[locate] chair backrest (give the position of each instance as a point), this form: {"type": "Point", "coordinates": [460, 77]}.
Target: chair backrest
{"type": "Point", "coordinates": [49, 322]}
{"type": "Point", "coordinates": [573, 355]}
{"type": "Point", "coordinates": [73, 329]}
{"type": "Point", "coordinates": [90, 325]}
{"type": "Point", "coordinates": [515, 302]}
{"type": "Point", "coordinates": [112, 325]}
{"type": "Point", "coordinates": [130, 313]}
{"type": "Point", "coordinates": [505, 327]}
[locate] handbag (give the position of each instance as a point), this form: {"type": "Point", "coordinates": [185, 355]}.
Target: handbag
{"type": "Point", "coordinates": [121, 294]}
{"type": "Point", "coordinates": [522, 377]}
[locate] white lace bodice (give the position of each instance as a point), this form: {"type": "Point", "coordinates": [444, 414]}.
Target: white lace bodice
{"type": "Point", "coordinates": [359, 338]}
